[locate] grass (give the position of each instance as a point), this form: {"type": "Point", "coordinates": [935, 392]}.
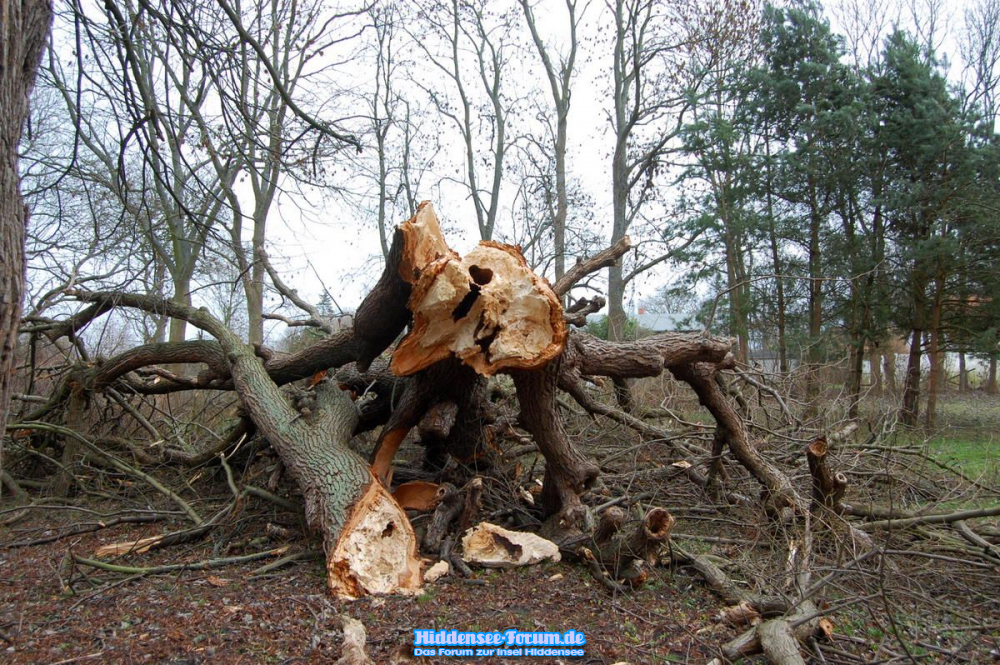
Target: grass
{"type": "Point", "coordinates": [977, 455]}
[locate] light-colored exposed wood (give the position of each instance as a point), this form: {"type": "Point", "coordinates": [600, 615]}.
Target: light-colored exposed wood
{"type": "Point", "coordinates": [488, 309]}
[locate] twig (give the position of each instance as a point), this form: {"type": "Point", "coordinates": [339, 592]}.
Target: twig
{"type": "Point", "coordinates": [939, 518]}
{"type": "Point", "coordinates": [173, 567]}
{"type": "Point", "coordinates": [309, 555]}
{"type": "Point", "coordinates": [316, 319]}
{"type": "Point", "coordinates": [114, 461]}
{"type": "Point", "coordinates": [976, 539]}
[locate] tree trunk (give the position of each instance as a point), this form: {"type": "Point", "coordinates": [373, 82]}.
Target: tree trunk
{"type": "Point", "coordinates": [935, 355]}
{"type": "Point", "coordinates": [562, 203]}
{"type": "Point", "coordinates": [567, 473]}
{"type": "Point", "coordinates": [369, 543]}
{"type": "Point", "coordinates": [182, 296]}
{"type": "Point", "coordinates": [963, 373]}
{"type": "Point", "coordinates": [815, 350]}
{"type": "Point", "coordinates": [776, 262]}
{"type": "Point", "coordinates": [875, 368]}
{"type": "Point", "coordinates": [911, 386]}
{"type": "Point", "coordinates": [889, 370]}
{"type": "Point", "coordinates": [24, 29]}
{"type": "Point", "coordinates": [855, 374]}
{"type": "Point", "coordinates": [991, 376]}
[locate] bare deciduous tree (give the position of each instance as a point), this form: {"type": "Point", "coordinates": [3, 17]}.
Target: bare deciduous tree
{"type": "Point", "coordinates": [560, 78]}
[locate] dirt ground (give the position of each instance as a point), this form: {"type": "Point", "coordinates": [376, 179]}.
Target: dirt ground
{"type": "Point", "coordinates": [225, 616]}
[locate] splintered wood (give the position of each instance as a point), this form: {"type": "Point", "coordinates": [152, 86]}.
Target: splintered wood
{"type": "Point", "coordinates": [377, 550]}
{"type": "Point", "coordinates": [487, 309]}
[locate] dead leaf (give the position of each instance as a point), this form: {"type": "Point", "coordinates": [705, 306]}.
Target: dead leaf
{"type": "Point", "coordinates": [217, 581]}
{"type": "Point", "coordinates": [316, 378]}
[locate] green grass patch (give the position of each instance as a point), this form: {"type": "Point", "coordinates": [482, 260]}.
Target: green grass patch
{"type": "Point", "coordinates": [976, 455]}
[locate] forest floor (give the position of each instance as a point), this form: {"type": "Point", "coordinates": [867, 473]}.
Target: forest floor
{"type": "Point", "coordinates": [228, 616]}
{"type": "Point", "coordinates": [921, 603]}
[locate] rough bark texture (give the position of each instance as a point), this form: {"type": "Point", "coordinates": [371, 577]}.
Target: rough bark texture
{"type": "Point", "coordinates": [368, 540]}
{"type": "Point", "coordinates": [24, 28]}
{"type": "Point", "coordinates": [369, 543]}
{"type": "Point", "coordinates": [567, 473]}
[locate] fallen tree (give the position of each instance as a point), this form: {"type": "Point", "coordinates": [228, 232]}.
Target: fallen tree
{"type": "Point", "coordinates": [468, 318]}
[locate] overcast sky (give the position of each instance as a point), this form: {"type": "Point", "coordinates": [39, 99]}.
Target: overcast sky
{"type": "Point", "coordinates": [326, 244]}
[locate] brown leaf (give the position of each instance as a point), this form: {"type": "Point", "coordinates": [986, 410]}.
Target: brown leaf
{"type": "Point", "coordinates": [317, 377]}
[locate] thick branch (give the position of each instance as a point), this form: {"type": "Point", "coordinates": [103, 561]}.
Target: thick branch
{"type": "Point", "coordinates": [584, 267]}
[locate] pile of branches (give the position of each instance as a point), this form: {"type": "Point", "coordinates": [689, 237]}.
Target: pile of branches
{"type": "Point", "coordinates": [467, 320]}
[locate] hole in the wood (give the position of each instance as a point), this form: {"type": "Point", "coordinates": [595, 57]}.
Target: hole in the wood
{"type": "Point", "coordinates": [485, 342]}
{"type": "Point", "coordinates": [468, 301]}
{"type": "Point", "coordinates": [389, 528]}
{"type": "Point", "coordinates": [480, 276]}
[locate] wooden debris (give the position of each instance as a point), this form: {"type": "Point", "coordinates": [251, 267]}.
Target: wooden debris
{"type": "Point", "coordinates": [140, 546]}
{"type": "Point", "coordinates": [493, 546]}
{"type": "Point", "coordinates": [417, 495]}
{"type": "Point", "coordinates": [437, 571]}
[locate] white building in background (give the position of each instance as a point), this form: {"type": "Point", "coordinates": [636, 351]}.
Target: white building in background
{"type": "Point", "coordinates": [658, 322]}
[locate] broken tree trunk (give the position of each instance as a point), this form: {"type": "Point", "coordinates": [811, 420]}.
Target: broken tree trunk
{"type": "Point", "coordinates": [828, 488]}
{"type": "Point", "coordinates": [626, 550]}
{"type": "Point", "coordinates": [369, 543]}
{"type": "Point", "coordinates": [489, 309]}
{"type": "Point", "coordinates": [471, 317]}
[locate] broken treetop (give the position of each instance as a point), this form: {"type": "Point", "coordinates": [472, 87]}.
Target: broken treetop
{"type": "Point", "coordinates": [488, 309]}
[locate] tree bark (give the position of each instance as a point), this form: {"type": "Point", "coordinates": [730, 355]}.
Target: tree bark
{"type": "Point", "coordinates": [963, 373]}
{"type": "Point", "coordinates": [828, 488]}
{"type": "Point", "coordinates": [935, 355]}
{"type": "Point", "coordinates": [875, 369]}
{"type": "Point", "coordinates": [889, 370]}
{"type": "Point", "coordinates": [911, 386]}
{"type": "Point", "coordinates": [24, 29]}
{"type": "Point", "coordinates": [778, 492]}
{"type": "Point", "coordinates": [567, 473]}
{"type": "Point", "coordinates": [369, 543]}
{"type": "Point", "coordinates": [991, 376]}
